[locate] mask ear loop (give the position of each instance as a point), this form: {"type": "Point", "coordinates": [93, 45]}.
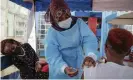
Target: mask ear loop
{"type": "Point", "coordinates": [23, 51]}
{"type": "Point", "coordinates": [14, 46]}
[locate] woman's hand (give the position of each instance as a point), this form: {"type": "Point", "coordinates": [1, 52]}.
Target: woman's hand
{"type": "Point", "coordinates": [71, 72]}
{"type": "Point", "coordinates": [89, 62]}
{"type": "Point", "coordinates": [38, 66]}
{"type": "Point", "coordinates": [42, 61]}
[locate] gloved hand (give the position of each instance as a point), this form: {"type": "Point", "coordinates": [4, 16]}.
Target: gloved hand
{"type": "Point", "coordinates": [89, 62]}
{"type": "Point", "coordinates": [71, 71]}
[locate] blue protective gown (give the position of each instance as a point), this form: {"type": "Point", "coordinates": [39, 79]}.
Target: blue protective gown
{"type": "Point", "coordinates": [69, 47]}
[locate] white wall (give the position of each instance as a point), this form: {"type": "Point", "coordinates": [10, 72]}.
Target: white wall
{"type": "Point", "coordinates": [11, 14]}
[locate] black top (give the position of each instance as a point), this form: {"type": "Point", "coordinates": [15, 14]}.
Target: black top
{"type": "Point", "coordinates": [26, 63]}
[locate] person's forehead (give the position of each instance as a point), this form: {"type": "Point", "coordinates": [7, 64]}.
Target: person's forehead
{"type": "Point", "coordinates": [6, 44]}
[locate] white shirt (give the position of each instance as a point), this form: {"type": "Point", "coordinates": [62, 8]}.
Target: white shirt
{"type": "Point", "coordinates": [108, 70]}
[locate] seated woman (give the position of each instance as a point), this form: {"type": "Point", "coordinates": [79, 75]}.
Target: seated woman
{"type": "Point", "coordinates": [24, 58]}
{"type": "Point", "coordinates": [119, 44]}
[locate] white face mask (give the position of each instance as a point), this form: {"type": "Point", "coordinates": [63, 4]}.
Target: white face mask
{"type": "Point", "coordinates": [66, 23]}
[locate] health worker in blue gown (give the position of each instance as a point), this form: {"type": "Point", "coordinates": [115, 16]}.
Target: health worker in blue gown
{"type": "Point", "coordinates": [69, 42]}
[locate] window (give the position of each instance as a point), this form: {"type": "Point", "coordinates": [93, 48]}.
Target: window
{"type": "Point", "coordinates": [41, 46]}
{"type": "Point", "coordinates": [19, 33]}
{"type": "Point", "coordinates": [42, 31]}
{"type": "Point", "coordinates": [42, 36]}
{"type": "Point", "coordinates": [20, 27]}
{"type": "Point", "coordinates": [42, 27]}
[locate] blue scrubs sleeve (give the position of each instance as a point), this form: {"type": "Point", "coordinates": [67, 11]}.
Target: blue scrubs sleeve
{"type": "Point", "coordinates": [89, 40]}
{"type": "Point", "coordinates": [53, 55]}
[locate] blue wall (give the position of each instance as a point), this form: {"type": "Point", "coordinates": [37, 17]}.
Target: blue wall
{"type": "Point", "coordinates": [106, 16]}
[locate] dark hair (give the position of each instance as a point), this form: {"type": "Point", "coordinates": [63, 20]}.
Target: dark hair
{"type": "Point", "coordinates": [3, 42]}
{"type": "Point", "coordinates": [120, 40]}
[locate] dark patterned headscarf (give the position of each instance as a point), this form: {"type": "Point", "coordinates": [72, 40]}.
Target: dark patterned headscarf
{"type": "Point", "coordinates": [58, 11]}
